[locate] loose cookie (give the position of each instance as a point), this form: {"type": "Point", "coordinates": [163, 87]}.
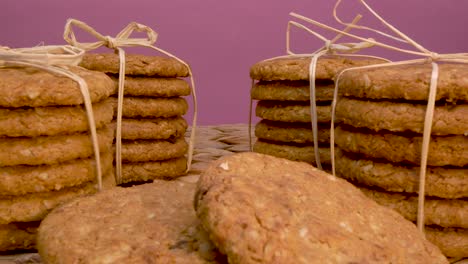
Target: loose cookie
{"type": "Point", "coordinates": [150, 223]}
{"type": "Point", "coordinates": [398, 117]}
{"type": "Point", "coordinates": [449, 150]}
{"type": "Point", "coordinates": [153, 150]}
{"type": "Point", "coordinates": [157, 128]}
{"type": "Point", "coordinates": [135, 65]}
{"type": "Point", "coordinates": [292, 91]}
{"type": "Point", "coordinates": [290, 132]}
{"type": "Point", "coordinates": [291, 111]}
{"type": "Point", "coordinates": [151, 170]}
{"type": "Point", "coordinates": [262, 209]}
{"type": "Point", "coordinates": [138, 107]}
{"type": "Point", "coordinates": [31, 87]}
{"type": "Point", "coordinates": [154, 87]}
{"type": "Point", "coordinates": [292, 152]}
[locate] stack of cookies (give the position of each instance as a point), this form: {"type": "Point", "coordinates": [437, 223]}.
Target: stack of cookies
{"type": "Point", "coordinates": [153, 142]}
{"type": "Point", "coordinates": [46, 155]}
{"type": "Point", "coordinates": [381, 113]}
{"type": "Point", "coordinates": [283, 90]}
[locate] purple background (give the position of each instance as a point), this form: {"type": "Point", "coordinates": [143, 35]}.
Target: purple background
{"type": "Point", "coordinates": [222, 39]}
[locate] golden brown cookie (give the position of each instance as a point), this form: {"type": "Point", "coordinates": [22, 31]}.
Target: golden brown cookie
{"type": "Point", "coordinates": [150, 223]}
{"type": "Point", "coordinates": [153, 87]}
{"type": "Point", "coordinates": [158, 128]}
{"type": "Point", "coordinates": [152, 150]}
{"type": "Point", "coordinates": [291, 91]}
{"type": "Point", "coordinates": [410, 82]}
{"type": "Point", "coordinates": [50, 121]}
{"type": "Point", "coordinates": [440, 212]}
{"type": "Point", "coordinates": [290, 132]}
{"type": "Point", "coordinates": [450, 183]}
{"type": "Point", "coordinates": [295, 152]}
{"type": "Point", "coordinates": [395, 116]}
{"type": "Point", "coordinates": [453, 242]}
{"type": "Point", "coordinates": [262, 209]}
{"type": "Point", "coordinates": [20, 180]}
{"type": "Point", "coordinates": [297, 67]}
{"type": "Point", "coordinates": [140, 107]}
{"type": "Point", "coordinates": [291, 111]}
{"type": "Point", "coordinates": [135, 64]}
{"type": "Point", "coordinates": [448, 150]}
{"type": "Point", "coordinates": [16, 236]}
{"type": "Point", "coordinates": [31, 87]}
{"type": "Point", "coordinates": [35, 206]}
{"type": "Point", "coordinates": [53, 149]}
{"type": "Point", "coordinates": [151, 170]}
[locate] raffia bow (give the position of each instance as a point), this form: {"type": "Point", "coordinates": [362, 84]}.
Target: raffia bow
{"type": "Point", "coordinates": [123, 39]}
{"type": "Point", "coordinates": [53, 59]}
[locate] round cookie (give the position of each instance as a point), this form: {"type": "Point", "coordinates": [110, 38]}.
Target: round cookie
{"type": "Point", "coordinates": [290, 132]}
{"type": "Point", "coordinates": [31, 87]}
{"type": "Point", "coordinates": [291, 91]}
{"type": "Point", "coordinates": [291, 111]}
{"type": "Point", "coordinates": [35, 206]}
{"type": "Point", "coordinates": [409, 82]}
{"type": "Point", "coordinates": [152, 150]}
{"type": "Point", "coordinates": [297, 67]}
{"type": "Point", "coordinates": [449, 150]}
{"type": "Point", "coordinates": [450, 183]}
{"type": "Point", "coordinates": [135, 64]}
{"type": "Point", "coordinates": [53, 149]}
{"type": "Point", "coordinates": [144, 171]}
{"type": "Point", "coordinates": [262, 209]}
{"type": "Point", "coordinates": [440, 212]}
{"type": "Point", "coordinates": [292, 152]}
{"type": "Point", "coordinates": [397, 117]}
{"type": "Point", "coordinates": [140, 107]}
{"type": "Point", "coordinates": [20, 180]}
{"type": "Point", "coordinates": [453, 242]}
{"type": "Point", "coordinates": [158, 128]}
{"type": "Point", "coordinates": [51, 121]}
{"type": "Point", "coordinates": [150, 223]}
{"type": "Point", "coordinates": [18, 236]}
{"type": "Point", "coordinates": [153, 87]}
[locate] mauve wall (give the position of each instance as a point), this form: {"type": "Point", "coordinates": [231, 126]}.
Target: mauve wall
{"type": "Point", "coordinates": [222, 39]}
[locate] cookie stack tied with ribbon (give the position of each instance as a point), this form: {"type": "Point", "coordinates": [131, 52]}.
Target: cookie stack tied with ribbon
{"type": "Point", "coordinates": [47, 156]}
{"type": "Point", "coordinates": [381, 114]}
{"type": "Point", "coordinates": [283, 89]}
{"type": "Point", "coordinates": [153, 129]}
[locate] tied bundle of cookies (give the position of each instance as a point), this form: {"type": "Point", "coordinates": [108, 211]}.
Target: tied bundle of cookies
{"type": "Point", "coordinates": [46, 152]}
{"type": "Point", "coordinates": [381, 113]}
{"type": "Point", "coordinates": [153, 129]}
{"type": "Point", "coordinates": [283, 91]}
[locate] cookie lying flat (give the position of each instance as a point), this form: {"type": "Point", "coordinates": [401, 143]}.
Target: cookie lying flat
{"type": "Point", "coordinates": [151, 170]}
{"type": "Point", "coordinates": [453, 242]}
{"type": "Point", "coordinates": [449, 150]}
{"type": "Point", "coordinates": [290, 132]}
{"type": "Point", "coordinates": [20, 180]}
{"type": "Point", "coordinates": [150, 223]}
{"type": "Point", "coordinates": [297, 68]}
{"type": "Point", "coordinates": [292, 152]}
{"type": "Point", "coordinates": [50, 121]}
{"type": "Point", "coordinates": [135, 65]}
{"type": "Point", "coordinates": [410, 82]}
{"type": "Point", "coordinates": [157, 128]}
{"type": "Point", "coordinates": [153, 87]}
{"type": "Point", "coordinates": [34, 207]}
{"type": "Point", "coordinates": [136, 107]}
{"type": "Point", "coordinates": [18, 236]}
{"type": "Point", "coordinates": [291, 111]}
{"type": "Point", "coordinates": [393, 116]}
{"type": "Point", "coordinates": [152, 150]}
{"type": "Point", "coordinates": [32, 87]}
{"type": "Point", "coordinates": [440, 212]}
{"type": "Point", "coordinates": [262, 209]}
{"type": "Point", "coordinates": [53, 149]}
{"type": "Point", "coordinates": [291, 91]}
{"type": "Point", "coordinates": [441, 182]}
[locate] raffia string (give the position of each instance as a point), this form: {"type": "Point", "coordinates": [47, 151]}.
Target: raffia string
{"type": "Point", "coordinates": [124, 39]}
{"type": "Point", "coordinates": [428, 56]}
{"type": "Point", "coordinates": [55, 59]}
